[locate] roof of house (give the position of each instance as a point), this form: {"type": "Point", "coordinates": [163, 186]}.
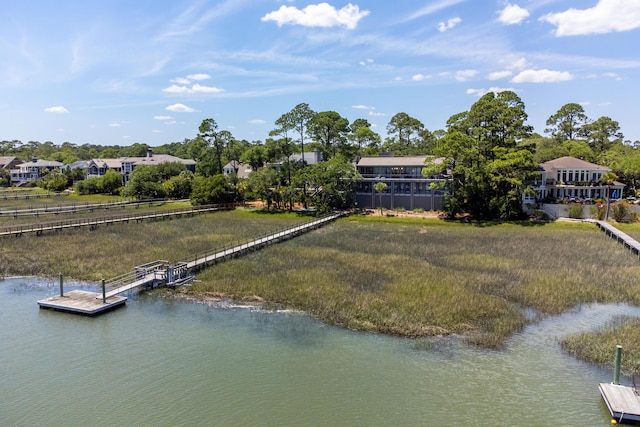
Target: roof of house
{"type": "Point", "coordinates": [568, 162]}
{"type": "Point", "coordinates": [399, 161]}
{"type": "Point", "coordinates": [41, 164]}
{"type": "Point", "coordinates": [156, 159]}
{"type": "Point", "coordinates": [7, 160]}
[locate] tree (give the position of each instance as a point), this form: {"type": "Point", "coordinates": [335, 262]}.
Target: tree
{"type": "Point", "coordinates": [330, 183]}
{"type": "Point", "coordinates": [144, 183]}
{"type": "Point", "coordinates": [329, 129]}
{"type": "Point", "coordinates": [602, 134]}
{"type": "Point", "coordinates": [380, 187]}
{"type": "Point", "coordinates": [110, 182]}
{"type": "Point", "coordinates": [488, 163]}
{"type": "Point", "coordinates": [362, 135]}
{"type": "Point", "coordinates": [211, 190]}
{"type": "Point", "coordinates": [255, 156]}
{"type": "Point", "coordinates": [301, 115]}
{"type": "Point", "coordinates": [567, 122]}
{"type": "Point", "coordinates": [209, 133]}
{"type": "Point", "coordinates": [403, 129]}
{"type": "Point", "coordinates": [608, 178]}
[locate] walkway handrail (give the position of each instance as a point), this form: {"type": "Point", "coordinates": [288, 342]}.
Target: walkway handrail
{"type": "Point", "coordinates": [73, 208]}
{"type": "Point", "coordinates": [75, 223]}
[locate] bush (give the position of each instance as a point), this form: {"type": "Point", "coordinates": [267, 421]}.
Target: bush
{"type": "Point", "coordinates": [576, 211]}
{"type": "Point", "coordinates": [619, 211]}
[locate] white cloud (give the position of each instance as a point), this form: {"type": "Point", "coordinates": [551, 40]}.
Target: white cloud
{"type": "Point", "coordinates": [317, 15]}
{"type": "Point", "coordinates": [442, 27]}
{"type": "Point", "coordinates": [199, 76]}
{"type": "Point", "coordinates": [464, 75]}
{"type": "Point", "coordinates": [542, 76]}
{"type": "Point", "coordinates": [181, 81]}
{"type": "Point", "coordinates": [481, 92]}
{"type": "Point", "coordinates": [368, 61]}
{"type": "Point", "coordinates": [605, 17]}
{"type": "Point", "coordinates": [162, 117]}
{"type": "Point", "coordinates": [196, 88]}
{"type": "Point", "coordinates": [498, 75]}
{"type": "Point", "coordinates": [180, 108]}
{"type": "Point", "coordinates": [420, 77]}
{"type": "Point", "coordinates": [114, 125]}
{"type": "Point", "coordinates": [57, 110]}
{"type": "Point", "coordinates": [374, 114]}
{"type": "Point", "coordinates": [363, 107]}
{"type": "Point", "coordinates": [257, 122]}
{"type": "Point", "coordinates": [512, 14]}
{"type": "Point", "coordinates": [613, 76]}
{"type": "Point", "coordinates": [156, 131]}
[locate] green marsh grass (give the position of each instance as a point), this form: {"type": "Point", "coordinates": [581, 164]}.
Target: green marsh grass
{"type": "Point", "coordinates": [429, 277]}
{"type": "Point", "coordinates": [405, 276]}
{"type": "Point", "coordinates": [600, 347]}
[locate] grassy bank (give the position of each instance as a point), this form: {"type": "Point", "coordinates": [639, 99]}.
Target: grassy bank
{"type": "Point", "coordinates": [600, 347]}
{"type": "Point", "coordinates": [428, 277]}
{"type": "Point", "coordinates": [406, 276]}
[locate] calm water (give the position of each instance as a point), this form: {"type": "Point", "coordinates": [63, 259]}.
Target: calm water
{"type": "Point", "coordinates": [161, 362]}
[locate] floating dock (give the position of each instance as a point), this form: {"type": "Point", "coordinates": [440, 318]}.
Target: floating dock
{"type": "Point", "coordinates": [623, 401]}
{"type": "Point", "coordinates": [82, 302]}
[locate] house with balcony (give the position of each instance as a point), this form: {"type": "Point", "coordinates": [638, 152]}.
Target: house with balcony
{"type": "Point", "coordinates": [406, 188]}
{"type": "Point", "coordinates": [125, 165]}
{"type": "Point", "coordinates": [571, 179]}
{"type": "Point", "coordinates": [31, 171]}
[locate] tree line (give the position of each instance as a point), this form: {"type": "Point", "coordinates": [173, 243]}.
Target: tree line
{"type": "Point", "coordinates": [491, 155]}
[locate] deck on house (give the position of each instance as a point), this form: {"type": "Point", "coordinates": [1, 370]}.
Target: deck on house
{"type": "Point", "coordinates": [82, 302]}
{"type": "Point", "coordinates": [623, 401]}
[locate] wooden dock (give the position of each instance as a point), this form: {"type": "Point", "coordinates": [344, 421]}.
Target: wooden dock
{"type": "Point", "coordinates": [82, 302]}
{"type": "Point", "coordinates": [622, 237]}
{"type": "Point", "coordinates": [162, 273]}
{"type": "Point", "coordinates": [39, 228]}
{"type": "Point", "coordinates": [224, 253]}
{"type": "Point", "coordinates": [623, 402]}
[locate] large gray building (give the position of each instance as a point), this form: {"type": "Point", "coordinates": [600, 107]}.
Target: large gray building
{"type": "Point", "coordinates": [407, 187]}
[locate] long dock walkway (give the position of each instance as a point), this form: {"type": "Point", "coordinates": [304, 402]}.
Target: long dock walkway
{"type": "Point", "coordinates": [222, 254]}
{"type": "Point", "coordinates": [161, 273]}
{"type": "Point", "coordinates": [39, 228]}
{"type": "Point", "coordinates": [622, 237]}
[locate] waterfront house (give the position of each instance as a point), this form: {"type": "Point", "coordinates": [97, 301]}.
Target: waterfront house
{"type": "Point", "coordinates": [32, 171]}
{"type": "Point", "coordinates": [407, 187]}
{"type": "Point", "coordinates": [125, 165]}
{"type": "Point", "coordinates": [571, 179]}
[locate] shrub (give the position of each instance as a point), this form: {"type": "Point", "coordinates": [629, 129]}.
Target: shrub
{"type": "Point", "coordinates": [619, 211]}
{"type": "Point", "coordinates": [576, 211]}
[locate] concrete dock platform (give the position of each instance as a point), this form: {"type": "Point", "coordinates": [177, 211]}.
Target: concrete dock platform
{"type": "Point", "coordinates": [82, 302]}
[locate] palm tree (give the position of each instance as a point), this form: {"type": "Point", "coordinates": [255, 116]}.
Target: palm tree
{"type": "Point", "coordinates": [608, 178]}
{"type": "Point", "coordinates": [380, 187]}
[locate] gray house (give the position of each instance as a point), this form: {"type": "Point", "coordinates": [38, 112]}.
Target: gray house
{"type": "Point", "coordinates": [406, 188]}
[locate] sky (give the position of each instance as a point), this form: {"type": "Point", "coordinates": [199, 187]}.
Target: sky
{"type": "Point", "coordinates": [119, 72]}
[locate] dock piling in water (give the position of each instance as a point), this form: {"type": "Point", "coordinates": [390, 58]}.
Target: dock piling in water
{"type": "Point", "coordinates": [61, 281]}
{"type": "Point", "coordinates": [618, 362]}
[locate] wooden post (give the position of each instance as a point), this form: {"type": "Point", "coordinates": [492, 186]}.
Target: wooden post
{"type": "Point", "coordinates": [61, 284]}
{"type": "Point", "coordinates": [104, 294]}
{"type": "Point", "coordinates": [616, 370]}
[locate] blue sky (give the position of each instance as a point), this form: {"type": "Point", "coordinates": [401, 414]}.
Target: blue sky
{"type": "Point", "coordinates": [117, 72]}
